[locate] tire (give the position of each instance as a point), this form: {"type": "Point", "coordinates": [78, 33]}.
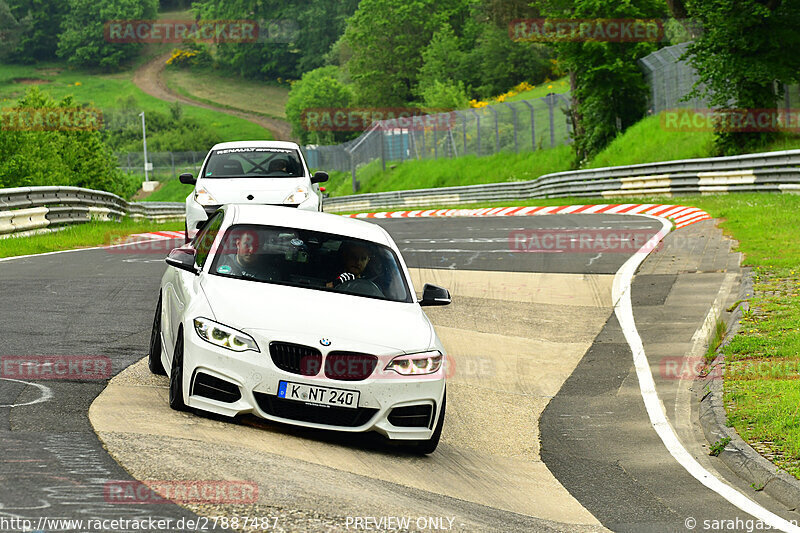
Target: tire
{"type": "Point", "coordinates": [425, 447]}
{"type": "Point", "coordinates": [154, 356]}
{"type": "Point", "coordinates": [176, 377]}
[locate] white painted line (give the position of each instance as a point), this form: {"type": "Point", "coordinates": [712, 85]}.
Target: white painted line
{"type": "Point", "coordinates": [3, 259]}
{"type": "Point", "coordinates": [621, 296]}
{"type": "Point", "coordinates": [46, 393]}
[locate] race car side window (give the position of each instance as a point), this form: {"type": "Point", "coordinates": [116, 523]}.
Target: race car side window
{"type": "Point", "coordinates": [205, 239]}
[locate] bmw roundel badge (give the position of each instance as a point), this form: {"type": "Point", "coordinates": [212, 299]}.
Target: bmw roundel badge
{"type": "Point", "coordinates": [325, 342]}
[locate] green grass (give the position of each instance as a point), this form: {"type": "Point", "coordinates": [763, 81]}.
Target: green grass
{"type": "Point", "coordinates": [222, 90]}
{"type": "Point", "coordinates": [647, 142]}
{"type": "Point", "coordinates": [171, 191]}
{"type": "Point", "coordinates": [468, 170]}
{"type": "Point", "coordinates": [109, 90]}
{"type": "Point", "coordinates": [80, 236]}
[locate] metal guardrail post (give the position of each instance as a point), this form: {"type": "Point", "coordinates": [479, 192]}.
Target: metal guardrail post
{"type": "Point", "coordinates": [496, 129]}
{"type": "Point", "coordinates": [533, 124]}
{"type": "Point", "coordinates": [478, 128]}
{"type": "Point", "coordinates": [551, 104]}
{"type": "Point", "coordinates": [383, 149]}
{"type": "Point", "coordinates": [516, 126]}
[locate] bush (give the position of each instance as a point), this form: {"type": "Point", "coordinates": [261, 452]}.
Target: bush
{"type": "Point", "coordinates": [82, 41]}
{"type": "Point", "coordinates": [76, 158]}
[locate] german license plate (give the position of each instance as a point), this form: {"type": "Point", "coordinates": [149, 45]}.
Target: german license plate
{"type": "Point", "coordinates": [318, 395]}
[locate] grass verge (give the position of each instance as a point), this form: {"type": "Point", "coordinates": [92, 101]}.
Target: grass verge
{"type": "Point", "coordinates": [645, 142]}
{"type": "Point", "coordinates": [109, 91]}
{"type": "Point", "coordinates": [217, 89]}
{"type": "Point", "coordinates": [80, 236]}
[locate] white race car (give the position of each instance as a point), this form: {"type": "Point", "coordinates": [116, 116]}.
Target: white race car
{"type": "Point", "coordinates": [251, 172]}
{"type": "Point", "coordinates": [303, 318]}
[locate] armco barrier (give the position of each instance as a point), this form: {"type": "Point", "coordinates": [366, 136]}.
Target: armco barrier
{"type": "Point", "coordinates": [25, 209]}
{"type": "Point", "coordinates": [765, 172]}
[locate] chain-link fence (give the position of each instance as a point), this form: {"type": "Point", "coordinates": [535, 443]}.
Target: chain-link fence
{"type": "Point", "coordinates": [506, 127]}
{"type": "Point", "coordinates": [165, 165]}
{"type": "Point", "coordinates": [671, 78]}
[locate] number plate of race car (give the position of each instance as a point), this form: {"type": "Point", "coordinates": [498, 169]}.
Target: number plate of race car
{"type": "Point", "coordinates": [318, 395]}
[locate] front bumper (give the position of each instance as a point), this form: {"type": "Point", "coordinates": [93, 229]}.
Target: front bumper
{"type": "Point", "coordinates": [248, 384]}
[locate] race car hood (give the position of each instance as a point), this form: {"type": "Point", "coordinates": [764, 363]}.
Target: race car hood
{"type": "Point", "coordinates": [263, 190]}
{"type": "Point", "coordinates": [305, 316]}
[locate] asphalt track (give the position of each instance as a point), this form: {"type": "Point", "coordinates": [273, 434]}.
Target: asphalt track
{"type": "Point", "coordinates": [595, 436]}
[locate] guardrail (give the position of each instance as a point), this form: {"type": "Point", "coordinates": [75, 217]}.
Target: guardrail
{"type": "Point", "coordinates": [27, 209]}
{"type": "Point", "coordinates": [764, 172]}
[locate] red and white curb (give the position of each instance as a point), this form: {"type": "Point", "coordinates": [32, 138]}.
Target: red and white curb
{"type": "Point", "coordinates": [680, 215]}
{"type": "Point", "coordinates": [158, 236]}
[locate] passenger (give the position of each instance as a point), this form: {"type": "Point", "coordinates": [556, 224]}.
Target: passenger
{"type": "Point", "coordinates": [355, 258]}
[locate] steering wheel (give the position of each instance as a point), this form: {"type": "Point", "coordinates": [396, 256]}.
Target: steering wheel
{"type": "Point", "coordinates": [361, 286]}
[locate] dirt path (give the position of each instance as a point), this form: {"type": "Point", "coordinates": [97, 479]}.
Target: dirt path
{"type": "Point", "coordinates": [149, 78]}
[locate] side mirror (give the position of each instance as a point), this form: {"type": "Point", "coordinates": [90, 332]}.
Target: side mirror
{"type": "Point", "coordinates": [187, 179]}
{"type": "Point", "coordinates": [435, 295]}
{"type": "Point", "coordinates": [183, 258]}
{"type": "Point", "coordinates": [319, 177]}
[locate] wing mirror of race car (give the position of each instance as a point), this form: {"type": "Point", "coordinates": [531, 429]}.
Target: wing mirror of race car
{"type": "Point", "coordinates": [183, 258]}
{"type": "Point", "coordinates": [319, 177]}
{"type": "Point", "coordinates": [435, 295]}
{"type": "Point", "coordinates": [187, 179]}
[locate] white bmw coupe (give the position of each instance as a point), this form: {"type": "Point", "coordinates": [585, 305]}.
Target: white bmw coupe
{"type": "Point", "coordinates": [302, 318]}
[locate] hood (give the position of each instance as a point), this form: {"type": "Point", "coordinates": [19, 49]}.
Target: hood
{"type": "Point", "coordinates": [305, 316]}
{"type": "Point", "coordinates": [263, 190]}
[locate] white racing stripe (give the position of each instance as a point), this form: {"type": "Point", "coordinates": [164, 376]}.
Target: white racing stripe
{"type": "Point", "coordinates": [621, 296]}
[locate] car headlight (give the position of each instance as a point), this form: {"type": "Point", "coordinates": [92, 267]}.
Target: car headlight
{"type": "Point", "coordinates": [224, 336]}
{"type": "Point", "coordinates": [416, 364]}
{"type": "Point", "coordinates": [297, 196]}
{"type": "Point", "coordinates": [203, 197]}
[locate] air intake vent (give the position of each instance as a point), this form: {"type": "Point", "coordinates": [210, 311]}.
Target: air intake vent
{"type": "Point", "coordinates": [349, 366]}
{"type": "Point", "coordinates": [413, 416]}
{"type": "Point", "coordinates": [296, 358]}
{"type": "Point", "coordinates": [215, 389]}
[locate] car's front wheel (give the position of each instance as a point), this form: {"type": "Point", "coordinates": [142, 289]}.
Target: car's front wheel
{"type": "Point", "coordinates": [425, 447]}
{"type": "Point", "coordinates": [176, 377]}
{"type": "Point", "coordinates": [154, 357]}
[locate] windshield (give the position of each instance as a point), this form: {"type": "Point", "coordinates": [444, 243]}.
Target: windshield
{"type": "Point", "coordinates": [312, 260]}
{"type": "Point", "coordinates": [254, 163]}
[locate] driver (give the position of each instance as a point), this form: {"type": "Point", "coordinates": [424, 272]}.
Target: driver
{"type": "Point", "coordinates": [243, 263]}
{"type": "Point", "coordinates": [355, 258]}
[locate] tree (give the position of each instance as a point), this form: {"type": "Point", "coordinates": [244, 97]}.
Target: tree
{"type": "Point", "coordinates": [308, 30]}
{"type": "Point", "coordinates": [609, 93]}
{"type": "Point", "coordinates": [746, 47]}
{"type": "Point", "coordinates": [387, 38]}
{"type": "Point", "coordinates": [41, 20]}
{"type": "Point", "coordinates": [82, 40]}
{"type": "Point", "coordinates": [318, 89]}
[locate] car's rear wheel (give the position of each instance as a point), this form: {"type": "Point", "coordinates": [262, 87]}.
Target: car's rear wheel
{"type": "Point", "coordinates": [154, 357]}
{"type": "Point", "coordinates": [424, 447]}
{"type": "Point", "coordinates": [176, 377]}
